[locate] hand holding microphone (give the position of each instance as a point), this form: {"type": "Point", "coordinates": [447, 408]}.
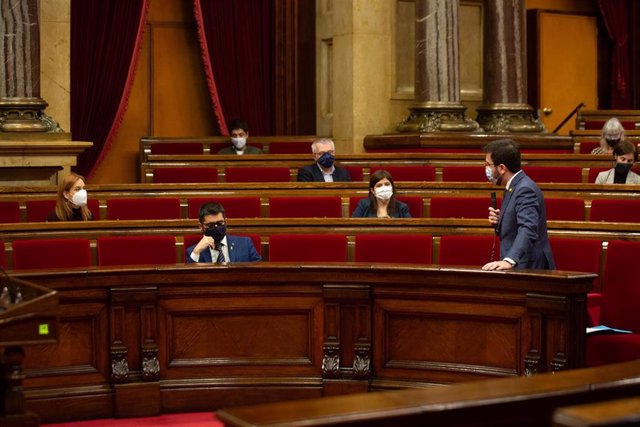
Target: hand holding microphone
{"type": "Point", "coordinates": [494, 213]}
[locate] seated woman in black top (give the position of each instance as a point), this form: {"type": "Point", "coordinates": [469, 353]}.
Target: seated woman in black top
{"type": "Point", "coordinates": [71, 204]}
{"type": "Point", "coordinates": [382, 201]}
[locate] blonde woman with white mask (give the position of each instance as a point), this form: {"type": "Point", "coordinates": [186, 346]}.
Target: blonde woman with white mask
{"type": "Point", "coordinates": [71, 204]}
{"type": "Point", "coordinates": [381, 202]}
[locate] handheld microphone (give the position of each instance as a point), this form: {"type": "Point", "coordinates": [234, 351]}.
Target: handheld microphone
{"type": "Point", "coordinates": [494, 205]}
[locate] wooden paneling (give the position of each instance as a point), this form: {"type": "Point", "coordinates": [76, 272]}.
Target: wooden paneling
{"type": "Point", "coordinates": [264, 332]}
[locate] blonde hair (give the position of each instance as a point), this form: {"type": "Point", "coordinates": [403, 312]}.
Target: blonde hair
{"type": "Point", "coordinates": [612, 130]}
{"type": "Point", "coordinates": [64, 211]}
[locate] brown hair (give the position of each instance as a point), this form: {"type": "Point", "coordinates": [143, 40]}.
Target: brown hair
{"type": "Point", "coordinates": [64, 210]}
{"type": "Point", "coordinates": [625, 147]}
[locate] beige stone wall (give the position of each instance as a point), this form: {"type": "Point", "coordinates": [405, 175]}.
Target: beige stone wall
{"type": "Point", "coordinates": [55, 80]}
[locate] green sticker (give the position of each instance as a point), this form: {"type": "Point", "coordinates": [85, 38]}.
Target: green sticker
{"type": "Point", "coordinates": [43, 329]}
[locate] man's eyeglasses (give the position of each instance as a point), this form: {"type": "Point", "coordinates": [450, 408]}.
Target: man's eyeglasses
{"type": "Point", "coordinates": [212, 225]}
{"type": "Point", "coordinates": [489, 164]}
{"type": "Point", "coordinates": [320, 153]}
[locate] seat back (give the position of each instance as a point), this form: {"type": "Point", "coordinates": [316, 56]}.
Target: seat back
{"type": "Point", "coordinates": [461, 207]}
{"type": "Point", "coordinates": [621, 286]}
{"type": "Point", "coordinates": [3, 256]}
{"type": "Point", "coordinates": [577, 254]}
{"type": "Point", "coordinates": [39, 210]}
{"type": "Point", "coordinates": [355, 172]}
{"type": "Point", "coordinates": [615, 210]}
{"type": "Point", "coordinates": [593, 174]}
{"type": "Point", "coordinates": [132, 250]}
{"type": "Point", "coordinates": [177, 148]}
{"type": "Point", "coordinates": [257, 174]}
{"type": "Point", "coordinates": [185, 174]}
{"type": "Point", "coordinates": [9, 212]}
{"type": "Point", "coordinates": [463, 174]}
{"type": "Point", "coordinates": [409, 173]}
{"type": "Point", "coordinates": [393, 248]}
{"type": "Point", "coordinates": [234, 207]}
{"type": "Point", "coordinates": [51, 253]}
{"type": "Point", "coordinates": [305, 207]}
{"type": "Point", "coordinates": [554, 173]}
{"type": "Point", "coordinates": [143, 208]}
{"type": "Point", "coordinates": [564, 209]}
{"type": "Point", "coordinates": [308, 248]}
{"type": "Point", "coordinates": [472, 251]}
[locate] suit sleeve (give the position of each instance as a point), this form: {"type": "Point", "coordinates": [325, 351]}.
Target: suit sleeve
{"type": "Point", "coordinates": [305, 175]}
{"type": "Point", "coordinates": [527, 217]}
{"type": "Point", "coordinates": [253, 254]}
{"type": "Point", "coordinates": [189, 251]}
{"type": "Point", "coordinates": [361, 209]}
{"type": "Point", "coordinates": [601, 178]}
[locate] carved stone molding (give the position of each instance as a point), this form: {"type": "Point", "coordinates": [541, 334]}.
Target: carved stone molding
{"type": "Point", "coordinates": [150, 364]}
{"type": "Point", "coordinates": [508, 118]}
{"type": "Point", "coordinates": [331, 361]}
{"type": "Point", "coordinates": [362, 363]}
{"type": "Point", "coordinates": [26, 115]}
{"type": "Point", "coordinates": [438, 117]}
{"type": "Point", "coordinates": [119, 365]}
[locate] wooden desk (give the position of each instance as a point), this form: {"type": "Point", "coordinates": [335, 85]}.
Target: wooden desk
{"type": "Point", "coordinates": [144, 340]}
{"type": "Point", "coordinates": [611, 413]}
{"type": "Point", "coordinates": [526, 401]}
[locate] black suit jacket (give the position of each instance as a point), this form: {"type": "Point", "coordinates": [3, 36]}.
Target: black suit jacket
{"type": "Point", "coordinates": [312, 173]}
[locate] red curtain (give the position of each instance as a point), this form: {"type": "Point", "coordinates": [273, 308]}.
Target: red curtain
{"type": "Point", "coordinates": [616, 18]}
{"type": "Point", "coordinates": [105, 43]}
{"type": "Point", "coordinates": [236, 38]}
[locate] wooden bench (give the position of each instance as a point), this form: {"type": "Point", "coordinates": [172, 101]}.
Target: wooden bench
{"type": "Point", "coordinates": [365, 162]}
{"type": "Point", "coordinates": [346, 191]}
{"type": "Point", "coordinates": [265, 228]}
{"type": "Point", "coordinates": [595, 119]}
{"type": "Point", "coordinates": [528, 401]}
{"type": "Point", "coordinates": [202, 337]}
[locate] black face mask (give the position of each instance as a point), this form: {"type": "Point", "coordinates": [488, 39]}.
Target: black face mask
{"type": "Point", "coordinates": [612, 142]}
{"type": "Point", "coordinates": [623, 168]}
{"type": "Point", "coordinates": [217, 233]}
{"type": "Point", "coordinates": [326, 160]}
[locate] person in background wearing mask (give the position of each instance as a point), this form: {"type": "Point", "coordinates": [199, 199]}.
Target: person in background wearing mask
{"type": "Point", "coordinates": [521, 223]}
{"type": "Point", "coordinates": [324, 170]}
{"type": "Point", "coordinates": [71, 203]}
{"type": "Point", "coordinates": [612, 133]}
{"type": "Point", "coordinates": [625, 154]}
{"type": "Point", "coordinates": [381, 202]}
{"type": "Point", "coordinates": [239, 132]}
{"type": "Point", "coordinates": [216, 245]}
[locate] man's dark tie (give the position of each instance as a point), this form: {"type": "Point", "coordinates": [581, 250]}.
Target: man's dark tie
{"type": "Point", "coordinates": [220, 259]}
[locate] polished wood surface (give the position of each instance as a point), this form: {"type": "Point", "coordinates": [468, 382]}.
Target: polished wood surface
{"type": "Point", "coordinates": [202, 337]}
{"type": "Point", "coordinates": [619, 412]}
{"type": "Point", "coordinates": [528, 401]}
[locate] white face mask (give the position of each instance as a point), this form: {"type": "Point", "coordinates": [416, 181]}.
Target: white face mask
{"type": "Point", "coordinates": [489, 173]}
{"type": "Point", "coordinates": [384, 193]}
{"type": "Point", "coordinates": [239, 143]}
{"type": "Point", "coordinates": [79, 198]}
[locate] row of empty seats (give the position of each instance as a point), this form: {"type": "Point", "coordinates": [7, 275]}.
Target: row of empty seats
{"type": "Point", "coordinates": [610, 306]}
{"type": "Point", "coordinates": [558, 209]}
{"type": "Point", "coordinates": [400, 173]}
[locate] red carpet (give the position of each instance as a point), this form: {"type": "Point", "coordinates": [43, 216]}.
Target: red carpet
{"type": "Point", "coordinates": [199, 419]}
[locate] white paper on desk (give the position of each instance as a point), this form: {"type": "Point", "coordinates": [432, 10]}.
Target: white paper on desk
{"type": "Point", "coordinates": [607, 329]}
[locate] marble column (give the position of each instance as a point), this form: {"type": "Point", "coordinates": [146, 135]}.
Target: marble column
{"type": "Point", "coordinates": [504, 108]}
{"type": "Point", "coordinates": [21, 108]}
{"type": "Point", "coordinates": [437, 71]}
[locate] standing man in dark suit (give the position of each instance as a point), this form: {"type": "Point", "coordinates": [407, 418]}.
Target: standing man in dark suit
{"type": "Point", "coordinates": [324, 169]}
{"type": "Point", "coordinates": [521, 224]}
{"type": "Point", "coordinates": [216, 244]}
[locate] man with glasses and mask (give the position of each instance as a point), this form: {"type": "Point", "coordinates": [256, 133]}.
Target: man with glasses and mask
{"type": "Point", "coordinates": [625, 154]}
{"type": "Point", "coordinates": [239, 132]}
{"type": "Point", "coordinates": [521, 223]}
{"type": "Point", "coordinates": [216, 245]}
{"type": "Point", "coordinates": [324, 169]}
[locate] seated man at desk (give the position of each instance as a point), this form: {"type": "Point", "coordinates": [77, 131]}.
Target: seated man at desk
{"type": "Point", "coordinates": [239, 132]}
{"type": "Point", "coordinates": [216, 245]}
{"type": "Point", "coordinates": [324, 169]}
